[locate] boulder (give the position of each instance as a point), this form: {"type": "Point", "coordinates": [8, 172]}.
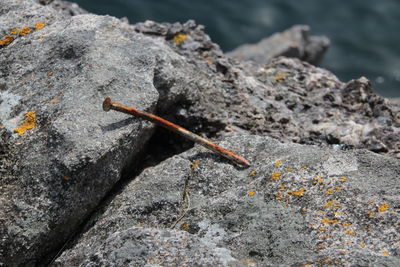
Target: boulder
{"type": "Point", "coordinates": [296, 205]}
{"type": "Point", "coordinates": [59, 153]}
{"type": "Point", "coordinates": [62, 158]}
{"type": "Point", "coordinates": [295, 42]}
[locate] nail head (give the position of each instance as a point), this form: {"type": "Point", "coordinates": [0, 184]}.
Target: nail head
{"type": "Point", "coordinates": [107, 104]}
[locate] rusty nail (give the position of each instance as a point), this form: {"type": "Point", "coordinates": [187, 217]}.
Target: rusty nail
{"type": "Point", "coordinates": [108, 105]}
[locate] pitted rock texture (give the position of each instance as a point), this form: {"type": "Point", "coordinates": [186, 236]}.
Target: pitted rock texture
{"type": "Point", "coordinates": [296, 205]}
{"type": "Point", "coordinates": [285, 98]}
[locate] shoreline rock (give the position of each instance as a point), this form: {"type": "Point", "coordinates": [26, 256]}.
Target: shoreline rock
{"type": "Point", "coordinates": [295, 42]}
{"type": "Point", "coordinates": [57, 67]}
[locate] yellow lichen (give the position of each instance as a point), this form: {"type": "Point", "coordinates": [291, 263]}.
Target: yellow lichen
{"type": "Point", "coordinates": [2, 127]}
{"type": "Point", "coordinates": [343, 179]}
{"type": "Point", "coordinates": [195, 164]}
{"type": "Point", "coordinates": [383, 207]}
{"type": "Point", "coordinates": [371, 213]}
{"type": "Point", "coordinates": [252, 173]}
{"type": "Point", "coordinates": [361, 245]}
{"type": "Point", "coordinates": [298, 193]}
{"type": "Point", "coordinates": [329, 191]}
{"type": "Point", "coordinates": [320, 229]}
{"type": "Point", "coordinates": [251, 193]}
{"type": "Point", "coordinates": [39, 25]}
{"type": "Point", "coordinates": [280, 77]}
{"type": "Point", "coordinates": [289, 170]}
{"type": "Point", "coordinates": [25, 31]}
{"type": "Point", "coordinates": [329, 203]}
{"type": "Point", "coordinates": [350, 232]}
{"type": "Point", "coordinates": [282, 187]}
{"type": "Point", "coordinates": [249, 262]}
{"type": "Point", "coordinates": [346, 224]}
{"type": "Point", "coordinates": [278, 195]}
{"type": "Point", "coordinates": [304, 168]}
{"type": "Point", "coordinates": [6, 40]}
{"type": "Point", "coordinates": [338, 189]}
{"type": "Point", "coordinates": [278, 163]}
{"type": "Point", "coordinates": [180, 38]}
{"type": "Point", "coordinates": [385, 253]}
{"type": "Point", "coordinates": [329, 221]}
{"type": "Point", "coordinates": [276, 175]}
{"type": "Point", "coordinates": [54, 100]}
{"type": "Point", "coordinates": [29, 123]}
{"type": "Point", "coordinates": [327, 260]}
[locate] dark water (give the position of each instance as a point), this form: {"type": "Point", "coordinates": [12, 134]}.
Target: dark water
{"type": "Point", "coordinates": [365, 34]}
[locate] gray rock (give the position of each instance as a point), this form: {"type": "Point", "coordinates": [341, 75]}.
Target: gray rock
{"type": "Point", "coordinates": [287, 99]}
{"type": "Point", "coordinates": [295, 42]}
{"type": "Point", "coordinates": [68, 8]}
{"type": "Point", "coordinates": [296, 205]}
{"type": "Point", "coordinates": [53, 175]}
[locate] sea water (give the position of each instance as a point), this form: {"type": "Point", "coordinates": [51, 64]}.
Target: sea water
{"type": "Point", "coordinates": [365, 34]}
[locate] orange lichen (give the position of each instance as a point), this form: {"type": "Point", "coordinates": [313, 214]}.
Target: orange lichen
{"type": "Point", "coordinates": [278, 163]}
{"type": "Point", "coordinates": [25, 31]}
{"type": "Point", "coordinates": [251, 193]}
{"type": "Point", "coordinates": [6, 40]}
{"type": "Point", "coordinates": [278, 195]}
{"type": "Point", "coordinates": [15, 31]}
{"type": "Point", "coordinates": [29, 123]}
{"type": "Point", "coordinates": [343, 179]}
{"type": "Point", "coordinates": [298, 193]}
{"type": "Point", "coordinates": [329, 221]}
{"type": "Point", "coordinates": [252, 173]}
{"type": "Point", "coordinates": [282, 187]}
{"type": "Point", "coordinates": [39, 25]}
{"type": "Point", "coordinates": [184, 227]}
{"type": "Point", "coordinates": [383, 207]}
{"type": "Point", "coordinates": [327, 260]}
{"type": "Point", "coordinates": [385, 253]}
{"type": "Point", "coordinates": [2, 127]}
{"type": "Point", "coordinates": [180, 38]}
{"type": "Point", "coordinates": [350, 232]}
{"type": "Point", "coordinates": [320, 229]}
{"type": "Point", "coordinates": [66, 177]}
{"type": "Point", "coordinates": [276, 175]}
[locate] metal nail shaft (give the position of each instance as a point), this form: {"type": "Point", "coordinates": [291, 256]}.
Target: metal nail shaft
{"type": "Point", "coordinates": [108, 104]}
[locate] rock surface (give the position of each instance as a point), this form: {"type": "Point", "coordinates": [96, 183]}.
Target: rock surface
{"type": "Point", "coordinates": [295, 42]}
{"type": "Point", "coordinates": [296, 205]}
{"type": "Point", "coordinates": [60, 154]}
